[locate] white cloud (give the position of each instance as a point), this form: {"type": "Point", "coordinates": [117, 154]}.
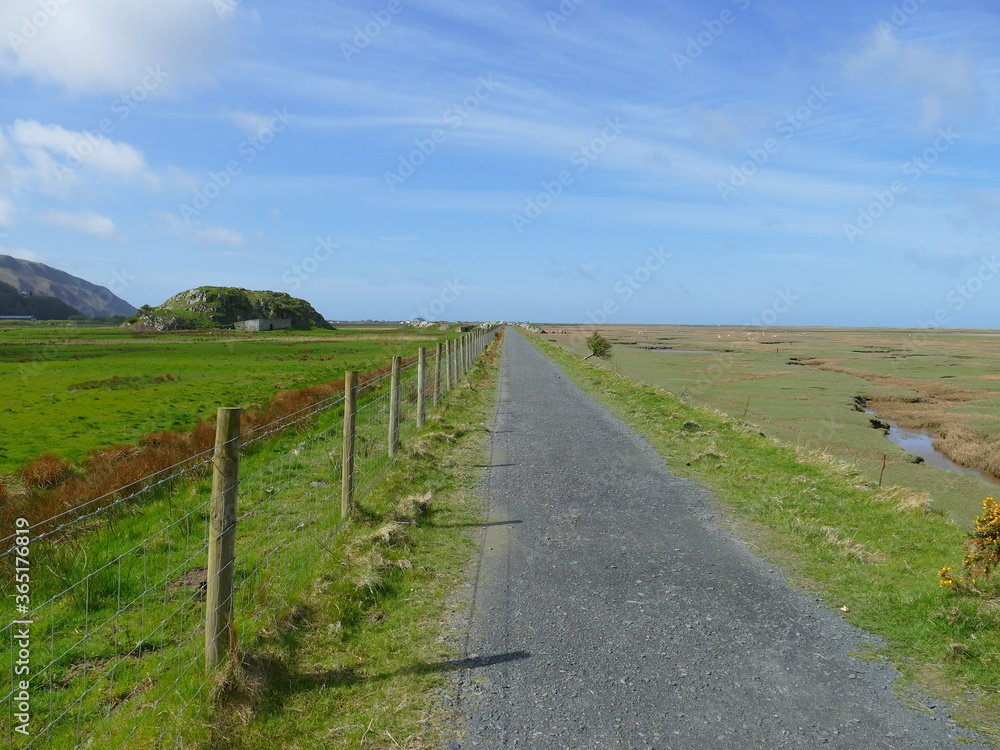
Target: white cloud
{"type": "Point", "coordinates": [196, 231]}
{"type": "Point", "coordinates": [87, 222]}
{"type": "Point", "coordinates": [250, 123]}
{"type": "Point", "coordinates": [78, 148]}
{"type": "Point", "coordinates": [106, 45]}
{"type": "Point", "coordinates": [943, 87]}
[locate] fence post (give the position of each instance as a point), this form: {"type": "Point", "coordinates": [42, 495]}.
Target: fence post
{"type": "Point", "coordinates": [437, 373]}
{"type": "Point", "coordinates": [394, 406]}
{"type": "Point", "coordinates": [350, 416]}
{"type": "Point", "coordinates": [449, 366]}
{"type": "Point", "coordinates": [421, 384]}
{"type": "Point", "coordinates": [219, 633]}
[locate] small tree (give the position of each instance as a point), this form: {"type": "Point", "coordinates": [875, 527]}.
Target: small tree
{"type": "Point", "coordinates": [599, 346]}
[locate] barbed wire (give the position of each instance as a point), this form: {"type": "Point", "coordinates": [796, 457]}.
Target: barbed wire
{"type": "Point", "coordinates": [126, 602]}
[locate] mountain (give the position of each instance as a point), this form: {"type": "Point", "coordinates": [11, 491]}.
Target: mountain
{"type": "Point", "coordinates": [12, 302]}
{"type": "Point", "coordinates": [40, 279]}
{"type": "Point", "coordinates": [221, 306]}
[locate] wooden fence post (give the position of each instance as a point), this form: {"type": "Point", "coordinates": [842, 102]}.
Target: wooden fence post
{"type": "Point", "coordinates": [219, 633]}
{"type": "Point", "coordinates": [438, 349]}
{"type": "Point", "coordinates": [449, 366]}
{"type": "Point", "coordinates": [421, 385]}
{"type": "Point", "coordinates": [350, 417]}
{"type": "Point", "coordinates": [394, 406]}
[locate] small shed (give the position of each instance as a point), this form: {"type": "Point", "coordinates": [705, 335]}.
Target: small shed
{"type": "Point", "coordinates": [263, 324]}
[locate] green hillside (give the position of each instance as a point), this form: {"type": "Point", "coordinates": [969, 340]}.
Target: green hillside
{"type": "Point", "coordinates": [220, 307]}
{"type": "Point", "coordinates": [41, 280]}
{"type": "Point", "coordinates": [12, 302]}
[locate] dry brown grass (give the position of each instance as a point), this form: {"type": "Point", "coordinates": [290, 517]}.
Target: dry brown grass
{"type": "Point", "coordinates": [970, 448]}
{"type": "Point", "coordinates": [413, 507]}
{"type": "Point", "coordinates": [45, 471]}
{"type": "Point", "coordinates": [904, 498]}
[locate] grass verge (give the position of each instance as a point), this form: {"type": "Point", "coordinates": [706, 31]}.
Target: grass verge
{"type": "Point", "coordinates": [872, 553]}
{"type": "Point", "coordinates": [354, 661]}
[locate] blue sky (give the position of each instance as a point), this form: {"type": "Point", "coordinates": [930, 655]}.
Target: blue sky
{"type": "Point", "coordinates": [736, 161]}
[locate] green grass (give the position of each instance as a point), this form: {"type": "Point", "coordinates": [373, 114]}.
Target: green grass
{"type": "Point", "coordinates": [749, 376]}
{"type": "Point", "coordinates": [360, 656]}
{"type": "Point", "coordinates": [333, 619]}
{"type": "Point", "coordinates": [834, 532]}
{"type": "Point", "coordinates": [70, 391]}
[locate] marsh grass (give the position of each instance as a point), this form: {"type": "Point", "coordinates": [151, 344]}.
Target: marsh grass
{"type": "Point", "coordinates": [801, 385]}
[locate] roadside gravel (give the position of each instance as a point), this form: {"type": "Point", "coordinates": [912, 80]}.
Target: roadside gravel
{"type": "Point", "coordinates": [612, 607]}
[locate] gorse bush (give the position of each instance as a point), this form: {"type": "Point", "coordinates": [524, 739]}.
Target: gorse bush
{"type": "Point", "coordinates": [982, 553]}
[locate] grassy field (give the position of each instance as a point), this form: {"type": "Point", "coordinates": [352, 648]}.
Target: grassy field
{"type": "Point", "coordinates": [333, 647]}
{"type": "Point", "coordinates": [873, 554]}
{"type": "Point", "coordinates": [800, 385]}
{"type": "Point", "coordinates": [69, 391]}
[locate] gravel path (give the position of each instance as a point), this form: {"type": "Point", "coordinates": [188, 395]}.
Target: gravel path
{"type": "Point", "coordinates": [612, 608]}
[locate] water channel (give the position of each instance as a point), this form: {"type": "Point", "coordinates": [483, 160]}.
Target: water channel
{"type": "Point", "coordinates": [921, 444]}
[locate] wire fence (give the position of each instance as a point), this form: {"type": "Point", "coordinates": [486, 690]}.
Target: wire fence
{"type": "Point", "coordinates": [108, 642]}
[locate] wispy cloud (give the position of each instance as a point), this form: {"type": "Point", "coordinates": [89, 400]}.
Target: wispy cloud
{"type": "Point", "coordinates": [87, 222]}
{"type": "Point", "coordinates": [941, 87]}
{"type": "Point", "coordinates": [199, 232]}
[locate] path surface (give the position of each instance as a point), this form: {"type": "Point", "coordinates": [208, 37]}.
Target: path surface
{"type": "Point", "coordinates": [612, 609]}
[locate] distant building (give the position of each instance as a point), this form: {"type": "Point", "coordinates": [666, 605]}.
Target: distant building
{"type": "Point", "coordinates": [32, 318]}
{"type": "Point", "coordinates": [263, 324]}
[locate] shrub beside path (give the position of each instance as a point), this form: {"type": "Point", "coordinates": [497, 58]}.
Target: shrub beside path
{"type": "Point", "coordinates": [613, 608]}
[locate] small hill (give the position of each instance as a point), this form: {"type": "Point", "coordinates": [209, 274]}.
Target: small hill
{"type": "Point", "coordinates": [221, 306]}
{"type": "Point", "coordinates": [12, 302]}
{"type": "Point", "coordinates": [39, 279]}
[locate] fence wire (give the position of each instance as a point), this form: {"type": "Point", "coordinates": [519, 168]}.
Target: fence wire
{"type": "Point", "coordinates": [115, 627]}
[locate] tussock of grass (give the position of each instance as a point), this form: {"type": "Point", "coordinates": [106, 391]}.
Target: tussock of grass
{"type": "Point", "coordinates": [414, 507]}
{"type": "Point", "coordinates": [904, 498]}
{"type": "Point", "coordinates": [45, 471]}
{"type": "Point", "coordinates": [874, 551]}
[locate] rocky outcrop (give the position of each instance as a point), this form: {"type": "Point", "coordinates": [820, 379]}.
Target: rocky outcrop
{"type": "Point", "coordinates": [221, 307]}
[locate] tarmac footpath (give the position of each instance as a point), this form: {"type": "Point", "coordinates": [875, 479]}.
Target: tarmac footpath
{"type": "Point", "coordinates": [612, 608]}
